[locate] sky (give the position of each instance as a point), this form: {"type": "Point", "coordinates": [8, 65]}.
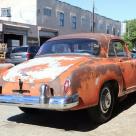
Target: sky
{"type": "Point", "coordinates": [115, 9]}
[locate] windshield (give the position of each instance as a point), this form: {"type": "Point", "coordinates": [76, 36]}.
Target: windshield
{"type": "Point", "coordinates": [70, 46]}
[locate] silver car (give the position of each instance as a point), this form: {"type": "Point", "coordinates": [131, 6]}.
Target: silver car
{"type": "Point", "coordinates": [23, 53]}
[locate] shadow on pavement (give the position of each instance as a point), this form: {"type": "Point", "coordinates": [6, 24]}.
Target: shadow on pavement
{"type": "Point", "coordinates": [125, 104]}
{"type": "Point", "coordinates": [76, 120]}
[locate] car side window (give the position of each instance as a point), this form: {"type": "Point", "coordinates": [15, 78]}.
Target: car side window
{"type": "Point", "coordinates": [111, 50]}
{"type": "Point", "coordinates": [116, 48]}
{"type": "Point", "coordinates": [119, 49]}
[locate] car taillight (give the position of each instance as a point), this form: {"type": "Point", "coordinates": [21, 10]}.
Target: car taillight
{"type": "Point", "coordinates": [28, 56]}
{"type": "Point", "coordinates": [67, 87]}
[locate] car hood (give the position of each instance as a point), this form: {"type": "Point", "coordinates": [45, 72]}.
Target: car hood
{"type": "Point", "coordinates": [42, 68]}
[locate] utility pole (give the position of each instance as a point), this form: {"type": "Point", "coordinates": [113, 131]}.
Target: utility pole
{"type": "Point", "coordinates": [93, 19]}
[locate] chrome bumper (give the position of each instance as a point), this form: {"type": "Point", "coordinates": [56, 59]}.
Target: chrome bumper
{"type": "Point", "coordinates": [53, 103]}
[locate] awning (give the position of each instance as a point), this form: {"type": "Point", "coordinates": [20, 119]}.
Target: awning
{"type": "Point", "coordinates": [47, 32]}
{"type": "Point", "coordinates": [18, 26]}
{"type": "Point", "coordinates": [15, 29]}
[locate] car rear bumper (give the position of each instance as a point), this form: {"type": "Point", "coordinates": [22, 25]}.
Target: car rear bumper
{"type": "Point", "coordinates": [54, 103]}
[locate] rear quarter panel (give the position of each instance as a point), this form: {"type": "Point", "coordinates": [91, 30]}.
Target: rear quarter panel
{"type": "Point", "coordinates": [89, 78]}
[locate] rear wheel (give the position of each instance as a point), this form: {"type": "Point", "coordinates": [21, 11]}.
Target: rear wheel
{"type": "Point", "coordinates": [103, 111]}
{"type": "Point", "coordinates": [29, 110]}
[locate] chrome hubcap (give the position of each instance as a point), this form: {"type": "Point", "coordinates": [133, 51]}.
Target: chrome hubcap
{"type": "Point", "coordinates": [105, 100]}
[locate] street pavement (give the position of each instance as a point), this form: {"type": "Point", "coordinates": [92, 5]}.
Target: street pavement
{"type": "Point", "coordinates": [13, 122]}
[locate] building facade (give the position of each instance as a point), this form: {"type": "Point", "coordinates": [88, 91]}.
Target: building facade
{"type": "Point", "coordinates": [35, 21]}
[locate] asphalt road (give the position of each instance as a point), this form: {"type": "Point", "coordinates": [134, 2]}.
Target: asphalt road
{"type": "Point", "coordinates": [13, 122]}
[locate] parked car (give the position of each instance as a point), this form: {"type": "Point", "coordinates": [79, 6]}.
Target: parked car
{"type": "Point", "coordinates": [23, 53]}
{"type": "Point", "coordinates": [133, 53]}
{"type": "Point", "coordinates": [72, 72]}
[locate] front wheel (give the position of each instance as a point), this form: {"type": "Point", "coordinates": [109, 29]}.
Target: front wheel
{"type": "Point", "coordinates": [103, 111]}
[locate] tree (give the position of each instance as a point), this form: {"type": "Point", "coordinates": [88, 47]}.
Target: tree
{"type": "Point", "coordinates": [130, 35]}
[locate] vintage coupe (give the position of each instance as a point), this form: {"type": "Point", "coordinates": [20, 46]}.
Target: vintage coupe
{"type": "Point", "coordinates": [73, 72]}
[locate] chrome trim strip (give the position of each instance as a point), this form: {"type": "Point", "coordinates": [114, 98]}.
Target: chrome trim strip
{"type": "Point", "coordinates": [53, 103]}
{"type": "Point", "coordinates": [132, 87]}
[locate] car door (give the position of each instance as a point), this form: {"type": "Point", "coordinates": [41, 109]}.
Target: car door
{"type": "Point", "coordinates": [126, 63]}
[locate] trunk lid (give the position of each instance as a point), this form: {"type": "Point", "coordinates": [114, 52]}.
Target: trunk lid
{"type": "Point", "coordinates": [42, 69]}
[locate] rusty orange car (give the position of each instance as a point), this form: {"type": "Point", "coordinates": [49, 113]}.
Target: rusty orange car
{"type": "Point", "coordinates": [73, 72]}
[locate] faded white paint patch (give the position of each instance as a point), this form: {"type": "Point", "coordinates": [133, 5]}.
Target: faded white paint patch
{"type": "Point", "coordinates": [4, 65]}
{"type": "Point", "coordinates": [54, 68]}
{"type": "Point", "coordinates": [97, 81]}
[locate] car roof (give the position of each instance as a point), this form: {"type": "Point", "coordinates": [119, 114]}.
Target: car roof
{"type": "Point", "coordinates": [97, 36]}
{"type": "Point", "coordinates": [27, 46]}
{"type": "Point", "coordinates": [103, 39]}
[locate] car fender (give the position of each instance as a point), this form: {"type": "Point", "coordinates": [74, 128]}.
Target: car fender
{"type": "Point", "coordinates": [88, 81]}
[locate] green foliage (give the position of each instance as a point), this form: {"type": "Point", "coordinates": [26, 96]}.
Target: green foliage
{"type": "Point", "coordinates": [130, 35]}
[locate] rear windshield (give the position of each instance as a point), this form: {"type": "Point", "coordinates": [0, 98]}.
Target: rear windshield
{"type": "Point", "coordinates": [70, 46]}
{"type": "Point", "coordinates": [19, 49]}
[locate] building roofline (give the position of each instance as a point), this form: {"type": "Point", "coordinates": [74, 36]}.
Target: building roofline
{"type": "Point", "coordinates": [87, 10]}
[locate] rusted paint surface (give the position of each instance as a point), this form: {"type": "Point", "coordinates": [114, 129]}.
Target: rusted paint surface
{"type": "Point", "coordinates": [40, 69]}
{"type": "Point", "coordinates": [86, 73]}
{"type": "Point", "coordinates": [4, 67]}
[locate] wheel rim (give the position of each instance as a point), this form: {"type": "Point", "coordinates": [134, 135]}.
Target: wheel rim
{"type": "Point", "coordinates": [105, 100]}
